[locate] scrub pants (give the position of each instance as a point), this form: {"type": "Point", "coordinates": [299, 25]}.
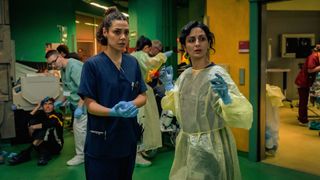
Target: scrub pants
{"type": "Point", "coordinates": [303, 104]}
{"type": "Point", "coordinates": [109, 169]}
{"type": "Point", "coordinates": [79, 132]}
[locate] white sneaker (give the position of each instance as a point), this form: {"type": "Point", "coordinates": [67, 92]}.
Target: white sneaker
{"type": "Point", "coordinates": [76, 160]}
{"type": "Point", "coordinates": [141, 162]}
{"type": "Point", "coordinates": [304, 124]}
{"type": "Point", "coordinates": [270, 152]}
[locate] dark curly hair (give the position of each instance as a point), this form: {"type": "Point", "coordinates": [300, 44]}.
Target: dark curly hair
{"type": "Point", "coordinates": [142, 42]}
{"type": "Point", "coordinates": [185, 31]}
{"type": "Point", "coordinates": [111, 14]}
{"type": "Point", "coordinates": [63, 48]}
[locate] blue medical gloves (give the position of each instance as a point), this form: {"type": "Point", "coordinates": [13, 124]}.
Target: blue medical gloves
{"type": "Point", "coordinates": [57, 104]}
{"type": "Point", "coordinates": [78, 112]}
{"type": "Point", "coordinates": [124, 109]}
{"type": "Point", "coordinates": [220, 87]}
{"type": "Point", "coordinates": [13, 107]}
{"type": "Point", "coordinates": [168, 53]}
{"type": "Point", "coordinates": [166, 76]}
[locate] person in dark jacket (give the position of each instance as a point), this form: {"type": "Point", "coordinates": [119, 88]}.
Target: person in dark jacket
{"type": "Point", "coordinates": [46, 130]}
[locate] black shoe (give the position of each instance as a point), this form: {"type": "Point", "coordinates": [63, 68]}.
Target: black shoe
{"type": "Point", "coordinates": [1, 159]}
{"type": "Point", "coordinates": [43, 160]}
{"type": "Point", "coordinates": [23, 156]}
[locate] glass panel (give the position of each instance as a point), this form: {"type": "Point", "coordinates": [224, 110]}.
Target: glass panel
{"type": "Point", "coordinates": [86, 27]}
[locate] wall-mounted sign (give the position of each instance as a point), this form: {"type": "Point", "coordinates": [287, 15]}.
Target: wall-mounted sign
{"type": "Point", "coordinates": [244, 47]}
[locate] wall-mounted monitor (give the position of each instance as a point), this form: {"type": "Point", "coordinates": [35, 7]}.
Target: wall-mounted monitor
{"type": "Point", "coordinates": [296, 45]}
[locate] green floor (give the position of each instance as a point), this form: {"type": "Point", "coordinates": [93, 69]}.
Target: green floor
{"type": "Point", "coordinates": [58, 170]}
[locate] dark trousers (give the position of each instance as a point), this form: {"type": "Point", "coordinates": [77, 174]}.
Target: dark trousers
{"type": "Point", "coordinates": [303, 104]}
{"type": "Point", "coordinates": [109, 169]}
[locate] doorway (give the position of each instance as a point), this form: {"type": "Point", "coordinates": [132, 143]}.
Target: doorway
{"type": "Point", "coordinates": [298, 146]}
{"type": "Point", "coordinates": [86, 27]}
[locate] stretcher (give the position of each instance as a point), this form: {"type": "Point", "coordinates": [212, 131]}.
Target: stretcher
{"type": "Point", "coordinates": [31, 89]}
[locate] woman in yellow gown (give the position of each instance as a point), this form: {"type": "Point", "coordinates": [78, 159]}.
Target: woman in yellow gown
{"type": "Point", "coordinates": [148, 115]}
{"type": "Point", "coordinates": [206, 102]}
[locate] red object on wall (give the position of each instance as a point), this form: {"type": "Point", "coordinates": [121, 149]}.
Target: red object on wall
{"type": "Point", "coordinates": [244, 47]}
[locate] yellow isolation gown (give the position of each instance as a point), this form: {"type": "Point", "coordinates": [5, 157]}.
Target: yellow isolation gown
{"type": "Point", "coordinates": [148, 114]}
{"type": "Point", "coordinates": [205, 146]}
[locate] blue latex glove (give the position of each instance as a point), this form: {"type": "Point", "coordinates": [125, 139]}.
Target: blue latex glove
{"type": "Point", "coordinates": [57, 104]}
{"type": "Point", "coordinates": [13, 107]}
{"type": "Point", "coordinates": [168, 53]}
{"type": "Point", "coordinates": [166, 76]}
{"type": "Point", "coordinates": [114, 111]}
{"type": "Point", "coordinates": [220, 87]}
{"type": "Point", "coordinates": [78, 112]}
{"type": "Point", "coordinates": [124, 109]}
{"type": "Point", "coordinates": [128, 109]}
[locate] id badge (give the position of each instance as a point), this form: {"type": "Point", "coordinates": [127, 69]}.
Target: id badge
{"type": "Point", "coordinates": [66, 93]}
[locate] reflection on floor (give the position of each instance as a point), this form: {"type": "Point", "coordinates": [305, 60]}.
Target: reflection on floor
{"type": "Point", "coordinates": [299, 147]}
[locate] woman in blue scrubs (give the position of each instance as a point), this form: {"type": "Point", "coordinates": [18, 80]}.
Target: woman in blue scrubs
{"type": "Point", "coordinates": [113, 90]}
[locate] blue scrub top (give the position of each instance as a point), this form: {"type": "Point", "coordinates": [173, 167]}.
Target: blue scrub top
{"type": "Point", "coordinates": [111, 137]}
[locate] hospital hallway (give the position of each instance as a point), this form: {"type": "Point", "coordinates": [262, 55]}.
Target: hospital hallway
{"type": "Point", "coordinates": [58, 170]}
{"type": "Point", "coordinates": [299, 147]}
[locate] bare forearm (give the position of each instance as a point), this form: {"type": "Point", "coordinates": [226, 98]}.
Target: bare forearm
{"type": "Point", "coordinates": [95, 108]}
{"type": "Point", "coordinates": [140, 100]}
{"type": "Point", "coordinates": [316, 69]}
{"type": "Point", "coordinates": [36, 126]}
{"type": "Point", "coordinates": [35, 109]}
{"type": "Point", "coordinates": [80, 103]}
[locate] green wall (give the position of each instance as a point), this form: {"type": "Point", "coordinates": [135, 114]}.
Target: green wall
{"type": "Point", "coordinates": [145, 19]}
{"type": "Point", "coordinates": [155, 20]}
{"type": "Point", "coordinates": [34, 23]}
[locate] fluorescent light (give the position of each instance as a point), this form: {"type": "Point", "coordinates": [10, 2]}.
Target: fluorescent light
{"type": "Point", "coordinates": [98, 5]}
{"type": "Point", "coordinates": [77, 21]}
{"type": "Point", "coordinates": [90, 24]}
{"type": "Point", "coordinates": [105, 7]}
{"type": "Point", "coordinates": [127, 15]}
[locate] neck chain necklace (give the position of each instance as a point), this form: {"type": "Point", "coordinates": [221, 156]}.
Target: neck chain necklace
{"type": "Point", "coordinates": [117, 63]}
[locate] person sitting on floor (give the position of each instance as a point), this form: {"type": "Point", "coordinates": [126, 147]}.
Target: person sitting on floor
{"type": "Point", "coordinates": [46, 130]}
